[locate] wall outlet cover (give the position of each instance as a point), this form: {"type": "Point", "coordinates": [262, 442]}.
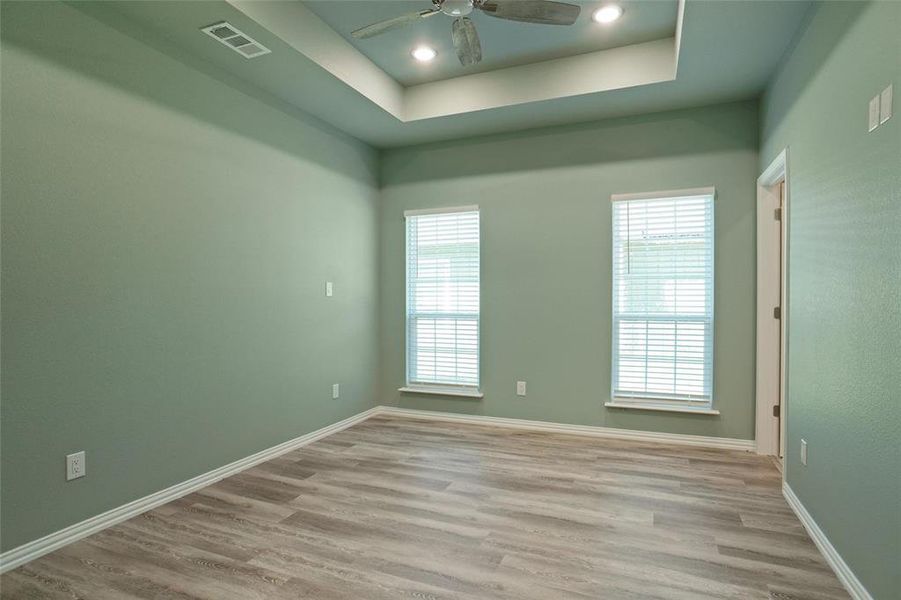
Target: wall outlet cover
{"type": "Point", "coordinates": [328, 288]}
{"type": "Point", "coordinates": [873, 121]}
{"type": "Point", "coordinates": [75, 466]}
{"type": "Point", "coordinates": [885, 105]}
{"type": "Point", "coordinates": [520, 388]}
{"type": "Point", "coordinates": [804, 452]}
{"type": "Point", "coordinates": [336, 391]}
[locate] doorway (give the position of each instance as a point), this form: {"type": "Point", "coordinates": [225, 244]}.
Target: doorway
{"type": "Point", "coordinates": [772, 254]}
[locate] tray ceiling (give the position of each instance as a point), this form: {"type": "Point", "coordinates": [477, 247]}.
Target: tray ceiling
{"type": "Point", "coordinates": [722, 51]}
{"type": "Point", "coordinates": [504, 43]}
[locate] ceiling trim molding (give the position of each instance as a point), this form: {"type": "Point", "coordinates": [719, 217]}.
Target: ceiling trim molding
{"type": "Point", "coordinates": [594, 72]}
{"type": "Point", "coordinates": [680, 17]}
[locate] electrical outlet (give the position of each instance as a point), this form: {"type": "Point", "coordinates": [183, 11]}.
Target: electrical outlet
{"type": "Point", "coordinates": [75, 466]}
{"type": "Point", "coordinates": [328, 288]}
{"type": "Point", "coordinates": [520, 388]}
{"type": "Point", "coordinates": [804, 452]}
{"type": "Point", "coordinates": [336, 391]}
{"type": "Point", "coordinates": [873, 118]}
{"type": "Point", "coordinates": [885, 105]}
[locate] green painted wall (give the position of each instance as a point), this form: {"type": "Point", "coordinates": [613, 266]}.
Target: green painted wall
{"type": "Point", "coordinates": [167, 233]}
{"type": "Point", "coordinates": [546, 258]}
{"type": "Point", "coordinates": [844, 325]}
{"type": "Point", "coordinates": [166, 239]}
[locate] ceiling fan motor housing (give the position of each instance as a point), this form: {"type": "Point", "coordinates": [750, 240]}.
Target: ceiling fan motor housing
{"type": "Point", "coordinates": [463, 30]}
{"type": "Point", "coordinates": [455, 8]}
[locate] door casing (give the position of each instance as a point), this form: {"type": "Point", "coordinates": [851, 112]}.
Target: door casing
{"type": "Point", "coordinates": [772, 268]}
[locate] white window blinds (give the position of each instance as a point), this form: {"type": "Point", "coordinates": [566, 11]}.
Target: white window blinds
{"type": "Point", "coordinates": [663, 298]}
{"type": "Point", "coordinates": [443, 297]}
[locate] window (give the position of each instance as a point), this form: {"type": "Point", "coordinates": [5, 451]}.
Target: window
{"type": "Point", "coordinates": [443, 299]}
{"type": "Point", "coordinates": [663, 299]}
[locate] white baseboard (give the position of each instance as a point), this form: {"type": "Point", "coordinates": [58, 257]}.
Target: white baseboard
{"type": "Point", "coordinates": [32, 550]}
{"type": "Point", "coordinates": [586, 430]}
{"type": "Point", "coordinates": [835, 560]}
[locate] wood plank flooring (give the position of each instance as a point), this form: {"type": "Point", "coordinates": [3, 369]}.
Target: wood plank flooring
{"type": "Point", "coordinates": [403, 508]}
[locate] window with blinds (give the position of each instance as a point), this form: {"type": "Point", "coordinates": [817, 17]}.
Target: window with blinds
{"type": "Point", "coordinates": [663, 298]}
{"type": "Point", "coordinates": [443, 297]}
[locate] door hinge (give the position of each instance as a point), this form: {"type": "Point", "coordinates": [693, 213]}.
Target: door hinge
{"type": "Point", "coordinates": [777, 410]}
{"type": "Point", "coordinates": [778, 214]}
{"type": "Point", "coordinates": [777, 312]}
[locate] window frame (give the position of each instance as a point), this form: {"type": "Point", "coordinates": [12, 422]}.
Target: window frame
{"type": "Point", "coordinates": [663, 402]}
{"type": "Point", "coordinates": [440, 388]}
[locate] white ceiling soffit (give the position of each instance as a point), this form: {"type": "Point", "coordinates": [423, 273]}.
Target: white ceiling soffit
{"type": "Point", "coordinates": [590, 73]}
{"type": "Point", "coordinates": [300, 28]}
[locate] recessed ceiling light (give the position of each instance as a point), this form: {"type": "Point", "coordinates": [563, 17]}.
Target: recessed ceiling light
{"type": "Point", "coordinates": [607, 14]}
{"type": "Point", "coordinates": [424, 53]}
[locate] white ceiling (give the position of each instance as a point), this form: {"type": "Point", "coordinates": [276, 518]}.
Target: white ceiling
{"type": "Point", "coordinates": [504, 43]}
{"type": "Point", "coordinates": [727, 51]}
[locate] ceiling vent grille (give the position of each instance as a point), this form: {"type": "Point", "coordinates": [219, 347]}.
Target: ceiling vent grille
{"type": "Point", "coordinates": [238, 41]}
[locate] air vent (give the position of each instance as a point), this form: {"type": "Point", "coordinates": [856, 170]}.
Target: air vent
{"type": "Point", "coordinates": [238, 41]}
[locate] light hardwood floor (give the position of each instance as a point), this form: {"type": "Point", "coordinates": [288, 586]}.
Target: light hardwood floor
{"type": "Point", "coordinates": [404, 508]}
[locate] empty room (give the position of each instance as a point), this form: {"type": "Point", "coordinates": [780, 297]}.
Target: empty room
{"type": "Point", "coordinates": [450, 299]}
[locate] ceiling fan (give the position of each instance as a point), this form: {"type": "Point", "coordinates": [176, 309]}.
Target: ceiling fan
{"type": "Point", "coordinates": [463, 30]}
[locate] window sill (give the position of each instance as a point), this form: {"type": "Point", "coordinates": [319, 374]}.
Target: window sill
{"type": "Point", "coordinates": [695, 410]}
{"type": "Point", "coordinates": [442, 391]}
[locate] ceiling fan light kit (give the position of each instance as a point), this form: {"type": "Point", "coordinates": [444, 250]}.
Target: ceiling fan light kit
{"type": "Point", "coordinates": [463, 30]}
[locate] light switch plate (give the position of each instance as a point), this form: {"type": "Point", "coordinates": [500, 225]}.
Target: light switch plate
{"type": "Point", "coordinates": [873, 122]}
{"type": "Point", "coordinates": [885, 105]}
{"type": "Point", "coordinates": [328, 288]}
{"type": "Point", "coordinates": [75, 466]}
{"type": "Point", "coordinates": [520, 388]}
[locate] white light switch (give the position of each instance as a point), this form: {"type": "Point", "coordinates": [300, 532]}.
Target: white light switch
{"type": "Point", "coordinates": [520, 388]}
{"type": "Point", "coordinates": [885, 105]}
{"type": "Point", "coordinates": [75, 466]}
{"type": "Point", "coordinates": [328, 288]}
{"type": "Point", "coordinates": [804, 452]}
{"type": "Point", "coordinates": [873, 122]}
{"type": "Point", "coordinates": [336, 391]}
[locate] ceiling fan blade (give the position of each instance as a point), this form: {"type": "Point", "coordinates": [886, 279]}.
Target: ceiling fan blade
{"type": "Point", "coordinates": [395, 23]}
{"type": "Point", "coordinates": [532, 11]}
{"type": "Point", "coordinates": [466, 41]}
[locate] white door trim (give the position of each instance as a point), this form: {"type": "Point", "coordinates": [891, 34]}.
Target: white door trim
{"type": "Point", "coordinates": [770, 382]}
